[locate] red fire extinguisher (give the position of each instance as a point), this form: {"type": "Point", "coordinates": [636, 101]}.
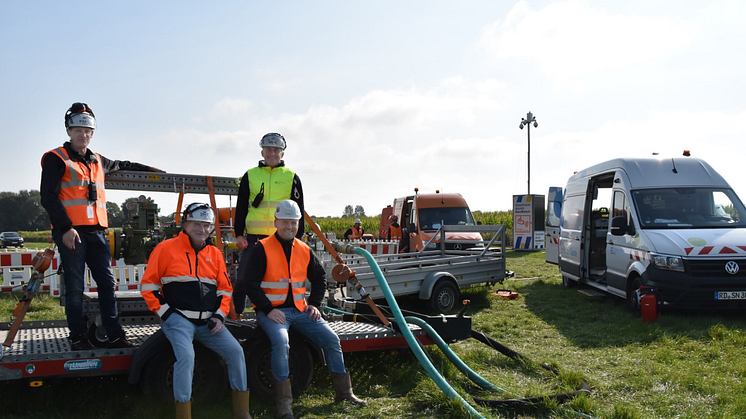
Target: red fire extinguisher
{"type": "Point", "coordinates": [649, 307]}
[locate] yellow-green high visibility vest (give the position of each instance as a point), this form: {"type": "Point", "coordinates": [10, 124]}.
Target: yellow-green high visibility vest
{"type": "Point", "coordinates": [278, 185]}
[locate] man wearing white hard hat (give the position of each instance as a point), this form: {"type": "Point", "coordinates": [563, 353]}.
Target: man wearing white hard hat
{"type": "Point", "coordinates": [187, 285]}
{"type": "Point", "coordinates": [72, 191]}
{"type": "Point", "coordinates": [275, 281]}
{"type": "Point", "coordinates": [260, 190]}
{"type": "Point", "coordinates": [355, 232]}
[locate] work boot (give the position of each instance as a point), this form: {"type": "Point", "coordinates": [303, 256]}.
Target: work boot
{"type": "Point", "coordinates": [343, 387]}
{"type": "Point", "coordinates": [183, 410]}
{"type": "Point", "coordinates": [241, 405]}
{"type": "Point", "coordinates": [284, 399]}
{"type": "Point", "coordinates": [80, 342]}
{"type": "Point", "coordinates": [119, 340]}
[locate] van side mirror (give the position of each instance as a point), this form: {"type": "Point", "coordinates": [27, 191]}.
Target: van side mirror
{"type": "Point", "coordinates": [619, 226]}
{"type": "Point", "coordinates": [479, 223]}
{"type": "Point", "coordinates": [412, 228]}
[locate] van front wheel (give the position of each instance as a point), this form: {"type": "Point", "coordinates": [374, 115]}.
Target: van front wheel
{"type": "Point", "coordinates": [633, 295]}
{"type": "Point", "coordinates": [568, 283]}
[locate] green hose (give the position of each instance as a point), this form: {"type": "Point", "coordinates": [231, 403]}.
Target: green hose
{"type": "Point", "coordinates": [455, 360]}
{"type": "Point", "coordinates": [411, 341]}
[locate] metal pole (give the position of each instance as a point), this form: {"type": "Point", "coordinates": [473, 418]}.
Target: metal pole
{"type": "Point", "coordinates": [529, 158]}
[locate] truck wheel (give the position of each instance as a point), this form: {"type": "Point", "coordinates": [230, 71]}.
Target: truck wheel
{"type": "Point", "coordinates": [208, 383]}
{"type": "Point", "coordinates": [633, 295]}
{"type": "Point", "coordinates": [568, 283]}
{"type": "Point", "coordinates": [445, 296]}
{"type": "Point", "coordinates": [259, 368]}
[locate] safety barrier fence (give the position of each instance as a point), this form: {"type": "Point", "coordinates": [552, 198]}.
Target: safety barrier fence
{"type": "Point", "coordinates": [17, 267]}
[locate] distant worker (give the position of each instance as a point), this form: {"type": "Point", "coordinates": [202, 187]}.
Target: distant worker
{"type": "Point", "coordinates": [355, 232]}
{"type": "Point", "coordinates": [187, 285]}
{"type": "Point", "coordinates": [395, 234]}
{"type": "Point", "coordinates": [261, 189]}
{"type": "Point", "coordinates": [72, 192]}
{"type": "Point", "coordinates": [276, 284]}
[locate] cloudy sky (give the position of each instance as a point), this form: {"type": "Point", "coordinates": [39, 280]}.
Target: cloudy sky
{"type": "Point", "coordinates": [377, 98]}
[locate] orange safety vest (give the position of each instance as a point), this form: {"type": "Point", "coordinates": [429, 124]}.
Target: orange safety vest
{"type": "Point", "coordinates": [277, 279]}
{"type": "Point", "coordinates": [74, 190]}
{"type": "Point", "coordinates": [357, 234]}
{"type": "Point", "coordinates": [395, 233]}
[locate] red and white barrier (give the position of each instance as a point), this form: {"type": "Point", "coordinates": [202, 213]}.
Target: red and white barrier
{"type": "Point", "coordinates": [377, 247]}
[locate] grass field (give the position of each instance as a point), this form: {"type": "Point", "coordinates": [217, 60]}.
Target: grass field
{"type": "Point", "coordinates": [684, 365]}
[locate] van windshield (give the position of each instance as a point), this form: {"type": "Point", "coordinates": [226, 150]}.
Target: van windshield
{"type": "Point", "coordinates": [431, 218]}
{"type": "Point", "coordinates": [689, 208]}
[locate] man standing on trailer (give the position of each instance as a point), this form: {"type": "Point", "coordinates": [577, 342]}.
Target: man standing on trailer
{"type": "Point", "coordinates": [187, 285]}
{"type": "Point", "coordinates": [261, 189]}
{"type": "Point", "coordinates": [72, 192]}
{"type": "Point", "coordinates": [276, 284]}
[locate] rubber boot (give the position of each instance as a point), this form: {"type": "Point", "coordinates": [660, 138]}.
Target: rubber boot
{"type": "Point", "coordinates": [184, 410]}
{"type": "Point", "coordinates": [241, 405]}
{"type": "Point", "coordinates": [343, 387]}
{"type": "Point", "coordinates": [284, 399]}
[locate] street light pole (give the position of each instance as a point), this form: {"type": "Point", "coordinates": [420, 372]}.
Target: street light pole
{"type": "Point", "coordinates": [527, 122]}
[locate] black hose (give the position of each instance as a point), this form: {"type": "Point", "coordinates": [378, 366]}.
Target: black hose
{"type": "Point", "coordinates": [560, 398]}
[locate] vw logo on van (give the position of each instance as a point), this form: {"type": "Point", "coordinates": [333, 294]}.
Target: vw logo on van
{"type": "Point", "coordinates": [731, 267]}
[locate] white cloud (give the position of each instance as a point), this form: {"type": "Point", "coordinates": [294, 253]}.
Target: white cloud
{"type": "Point", "coordinates": [573, 39]}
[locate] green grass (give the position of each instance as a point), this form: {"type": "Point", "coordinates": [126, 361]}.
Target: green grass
{"type": "Point", "coordinates": [684, 365]}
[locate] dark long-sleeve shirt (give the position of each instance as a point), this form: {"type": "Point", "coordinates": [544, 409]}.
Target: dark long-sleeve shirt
{"type": "Point", "coordinates": [251, 283]}
{"type": "Point", "coordinates": [243, 204]}
{"type": "Point", "coordinates": [53, 168]}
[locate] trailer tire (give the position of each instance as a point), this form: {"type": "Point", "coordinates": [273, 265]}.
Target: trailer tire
{"type": "Point", "coordinates": [208, 383]}
{"type": "Point", "coordinates": [259, 368]}
{"type": "Point", "coordinates": [445, 296]}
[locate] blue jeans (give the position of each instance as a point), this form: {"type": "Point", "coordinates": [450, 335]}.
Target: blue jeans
{"type": "Point", "coordinates": [317, 332]}
{"type": "Point", "coordinates": [181, 333]}
{"type": "Point", "coordinates": [94, 251]}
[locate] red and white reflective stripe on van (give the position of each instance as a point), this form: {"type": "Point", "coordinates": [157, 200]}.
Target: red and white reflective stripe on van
{"type": "Point", "coordinates": [638, 255]}
{"type": "Point", "coordinates": [716, 250]}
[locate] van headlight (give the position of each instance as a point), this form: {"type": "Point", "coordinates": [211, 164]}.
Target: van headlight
{"type": "Point", "coordinates": [431, 245]}
{"type": "Point", "coordinates": [671, 263]}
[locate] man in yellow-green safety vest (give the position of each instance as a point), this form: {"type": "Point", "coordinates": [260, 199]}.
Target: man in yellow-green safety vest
{"type": "Point", "coordinates": [262, 188]}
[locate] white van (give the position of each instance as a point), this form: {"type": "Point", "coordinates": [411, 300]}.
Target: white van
{"type": "Point", "coordinates": [672, 227]}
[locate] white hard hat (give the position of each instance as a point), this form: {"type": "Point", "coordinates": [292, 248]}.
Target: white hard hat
{"type": "Point", "coordinates": [288, 210]}
{"type": "Point", "coordinates": [199, 212]}
{"type": "Point", "coordinates": [80, 115]}
{"type": "Point", "coordinates": [273, 139]}
{"type": "Point", "coordinates": [357, 221]}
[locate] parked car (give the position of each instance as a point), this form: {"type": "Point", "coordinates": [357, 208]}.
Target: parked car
{"type": "Point", "coordinates": [10, 238]}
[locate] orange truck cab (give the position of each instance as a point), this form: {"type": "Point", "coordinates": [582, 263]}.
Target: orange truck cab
{"type": "Point", "coordinates": [423, 214]}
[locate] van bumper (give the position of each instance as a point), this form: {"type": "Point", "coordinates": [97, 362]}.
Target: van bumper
{"type": "Point", "coordinates": [686, 291]}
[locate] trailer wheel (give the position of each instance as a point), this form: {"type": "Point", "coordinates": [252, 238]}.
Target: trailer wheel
{"type": "Point", "coordinates": [568, 283]}
{"type": "Point", "coordinates": [445, 296]}
{"type": "Point", "coordinates": [259, 368]}
{"type": "Point", "coordinates": [633, 295]}
{"type": "Point", "coordinates": [208, 383]}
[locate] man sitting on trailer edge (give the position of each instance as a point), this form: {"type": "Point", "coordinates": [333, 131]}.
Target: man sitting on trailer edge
{"type": "Point", "coordinates": [275, 281]}
{"type": "Point", "coordinates": [187, 285]}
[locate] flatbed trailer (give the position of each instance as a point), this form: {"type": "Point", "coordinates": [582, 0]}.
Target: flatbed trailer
{"type": "Point", "coordinates": [41, 350]}
{"type": "Point", "coordinates": [435, 276]}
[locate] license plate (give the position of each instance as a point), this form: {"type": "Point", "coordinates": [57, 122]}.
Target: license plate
{"type": "Point", "coordinates": [730, 295]}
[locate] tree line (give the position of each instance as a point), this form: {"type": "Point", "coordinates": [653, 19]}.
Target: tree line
{"type": "Point", "coordinates": [22, 211]}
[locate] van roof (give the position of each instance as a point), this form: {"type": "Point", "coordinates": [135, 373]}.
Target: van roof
{"type": "Point", "coordinates": [651, 172]}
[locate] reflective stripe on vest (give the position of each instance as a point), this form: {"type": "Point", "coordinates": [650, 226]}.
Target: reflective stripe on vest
{"type": "Point", "coordinates": [395, 232]}
{"type": "Point", "coordinates": [357, 234]}
{"type": "Point", "coordinates": [278, 185]}
{"type": "Point", "coordinates": [277, 279]}
{"type": "Point", "coordinates": [74, 190]}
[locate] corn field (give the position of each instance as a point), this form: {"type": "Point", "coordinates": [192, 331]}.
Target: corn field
{"type": "Point", "coordinates": [338, 225]}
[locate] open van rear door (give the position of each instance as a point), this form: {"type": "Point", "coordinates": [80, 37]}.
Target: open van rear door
{"type": "Point", "coordinates": [554, 211]}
